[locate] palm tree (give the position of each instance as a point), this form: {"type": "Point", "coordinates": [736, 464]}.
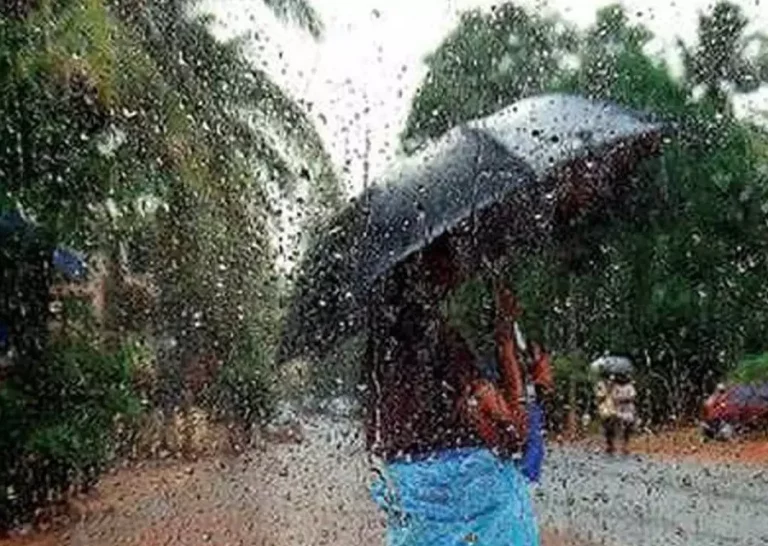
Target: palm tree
{"type": "Point", "coordinates": [126, 125]}
{"type": "Point", "coordinates": [299, 11]}
{"type": "Point", "coordinates": [117, 103]}
{"type": "Point", "coordinates": [215, 236]}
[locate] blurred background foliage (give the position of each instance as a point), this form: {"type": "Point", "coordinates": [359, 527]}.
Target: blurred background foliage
{"type": "Point", "coordinates": [751, 369]}
{"type": "Point", "coordinates": [676, 279]}
{"type": "Point", "coordinates": [132, 134]}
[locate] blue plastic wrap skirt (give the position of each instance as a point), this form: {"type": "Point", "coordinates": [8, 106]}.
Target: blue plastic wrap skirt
{"type": "Point", "coordinates": [465, 496]}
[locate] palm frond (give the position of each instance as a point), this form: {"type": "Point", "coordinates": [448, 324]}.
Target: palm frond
{"type": "Point", "coordinates": [298, 11]}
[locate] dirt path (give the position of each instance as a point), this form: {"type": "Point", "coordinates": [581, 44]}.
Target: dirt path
{"type": "Point", "coordinates": [288, 495]}
{"type": "Point", "coordinates": [686, 444]}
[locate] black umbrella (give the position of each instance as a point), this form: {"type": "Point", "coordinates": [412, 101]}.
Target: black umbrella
{"type": "Point", "coordinates": [492, 185]}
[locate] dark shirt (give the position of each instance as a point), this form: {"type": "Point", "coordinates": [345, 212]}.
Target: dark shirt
{"type": "Point", "coordinates": [416, 369]}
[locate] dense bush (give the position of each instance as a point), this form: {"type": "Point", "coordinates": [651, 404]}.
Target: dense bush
{"type": "Point", "coordinates": [58, 417]}
{"type": "Point", "coordinates": [243, 389]}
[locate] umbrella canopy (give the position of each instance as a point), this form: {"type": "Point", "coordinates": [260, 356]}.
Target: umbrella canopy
{"type": "Point", "coordinates": [492, 186]}
{"type": "Point", "coordinates": [612, 365]}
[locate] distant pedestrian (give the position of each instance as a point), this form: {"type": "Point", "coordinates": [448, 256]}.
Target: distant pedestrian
{"type": "Point", "coordinates": [623, 393]}
{"type": "Point", "coordinates": [606, 410]}
{"type": "Point", "coordinates": [713, 411]}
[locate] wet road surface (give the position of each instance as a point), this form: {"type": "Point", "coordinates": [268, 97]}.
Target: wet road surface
{"type": "Point", "coordinates": [315, 494]}
{"type": "Point", "coordinates": [637, 501]}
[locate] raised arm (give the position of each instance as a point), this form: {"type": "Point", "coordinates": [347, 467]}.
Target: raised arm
{"type": "Point", "coordinates": [507, 311]}
{"type": "Point", "coordinates": [511, 374]}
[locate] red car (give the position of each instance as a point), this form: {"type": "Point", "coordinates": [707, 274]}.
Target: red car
{"type": "Point", "coordinates": [733, 408]}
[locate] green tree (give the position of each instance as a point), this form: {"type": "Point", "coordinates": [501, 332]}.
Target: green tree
{"type": "Point", "coordinates": [214, 256]}
{"type": "Point", "coordinates": [488, 61]}
{"type": "Point", "coordinates": [673, 275]}
{"type": "Point", "coordinates": [129, 130]}
{"type": "Point", "coordinates": [720, 57]}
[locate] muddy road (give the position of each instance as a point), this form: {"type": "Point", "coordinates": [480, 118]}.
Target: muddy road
{"type": "Point", "coordinates": [641, 501]}
{"type": "Point", "coordinates": [315, 493]}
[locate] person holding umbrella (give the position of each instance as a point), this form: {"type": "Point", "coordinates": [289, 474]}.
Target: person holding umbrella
{"type": "Point", "coordinates": [615, 395]}
{"type": "Point", "coordinates": [449, 438]}
{"type": "Point", "coordinates": [503, 185]}
{"type": "Point", "coordinates": [624, 394]}
{"type": "Point", "coordinates": [606, 410]}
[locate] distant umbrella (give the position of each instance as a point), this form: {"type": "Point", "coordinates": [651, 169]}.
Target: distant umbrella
{"type": "Point", "coordinates": [493, 186]}
{"type": "Point", "coordinates": [17, 231]}
{"type": "Point", "coordinates": [68, 263]}
{"type": "Point", "coordinates": [14, 225]}
{"type": "Point", "coordinates": [612, 365]}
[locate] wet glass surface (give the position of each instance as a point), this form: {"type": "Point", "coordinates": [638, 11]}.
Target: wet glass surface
{"type": "Point", "coordinates": [303, 272]}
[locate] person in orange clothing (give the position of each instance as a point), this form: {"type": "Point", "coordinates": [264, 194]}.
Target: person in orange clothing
{"type": "Point", "coordinates": [712, 412]}
{"type": "Point", "coordinates": [497, 411]}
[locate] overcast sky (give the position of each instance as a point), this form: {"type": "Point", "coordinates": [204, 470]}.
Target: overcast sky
{"type": "Point", "coordinates": [372, 55]}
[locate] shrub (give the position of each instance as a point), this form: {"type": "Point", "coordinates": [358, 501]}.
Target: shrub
{"type": "Point", "coordinates": [58, 417]}
{"type": "Point", "coordinates": [243, 388]}
{"type": "Point", "coordinates": [751, 369]}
